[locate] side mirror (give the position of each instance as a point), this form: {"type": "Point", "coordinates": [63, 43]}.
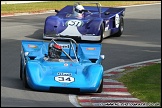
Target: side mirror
{"type": "Point", "coordinates": [85, 10]}
{"type": "Point", "coordinates": [102, 57]}
{"type": "Point", "coordinates": [123, 14]}
{"type": "Point", "coordinates": [26, 53]}
{"type": "Point", "coordinates": [107, 13]}
{"type": "Point", "coordinates": [46, 55]}
{"type": "Point", "coordinates": [57, 11]}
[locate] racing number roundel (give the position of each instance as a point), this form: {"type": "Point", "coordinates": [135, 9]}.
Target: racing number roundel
{"type": "Point", "coordinates": [117, 20]}
{"type": "Point", "coordinates": [76, 23]}
{"type": "Point", "coordinates": [64, 79]}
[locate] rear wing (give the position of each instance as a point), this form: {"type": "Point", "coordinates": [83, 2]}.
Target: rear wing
{"type": "Point", "coordinates": [112, 10]}
{"type": "Point", "coordinates": [39, 49]}
{"type": "Point", "coordinates": [89, 51]}
{"type": "Point", "coordinates": [34, 48]}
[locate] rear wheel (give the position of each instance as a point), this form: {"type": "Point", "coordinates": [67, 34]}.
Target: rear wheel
{"type": "Point", "coordinates": [101, 87]}
{"type": "Point", "coordinates": [102, 31]}
{"type": "Point", "coordinates": [21, 68]}
{"type": "Point", "coordinates": [121, 28]}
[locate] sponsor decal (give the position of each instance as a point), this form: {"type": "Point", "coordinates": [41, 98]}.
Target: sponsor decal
{"type": "Point", "coordinates": [89, 34]}
{"type": "Point", "coordinates": [107, 28]}
{"type": "Point", "coordinates": [65, 64]}
{"type": "Point", "coordinates": [107, 21]}
{"type": "Point", "coordinates": [68, 15]}
{"type": "Point", "coordinates": [91, 48]}
{"type": "Point", "coordinates": [61, 60]}
{"type": "Point", "coordinates": [64, 74]}
{"type": "Point", "coordinates": [65, 46]}
{"type": "Point", "coordinates": [32, 46]}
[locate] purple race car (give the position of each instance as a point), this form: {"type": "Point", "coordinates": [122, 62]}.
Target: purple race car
{"type": "Point", "coordinates": [91, 23]}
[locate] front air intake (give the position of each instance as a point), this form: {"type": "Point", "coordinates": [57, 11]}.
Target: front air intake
{"type": "Point", "coordinates": [93, 60]}
{"type": "Point", "coordinates": [64, 90]}
{"type": "Point", "coordinates": [32, 57]}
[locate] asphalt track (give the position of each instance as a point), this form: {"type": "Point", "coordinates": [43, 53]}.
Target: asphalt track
{"type": "Point", "coordinates": [141, 41]}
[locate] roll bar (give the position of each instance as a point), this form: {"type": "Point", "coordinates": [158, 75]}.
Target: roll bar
{"type": "Point", "coordinates": [97, 4]}
{"type": "Point", "coordinates": [71, 46]}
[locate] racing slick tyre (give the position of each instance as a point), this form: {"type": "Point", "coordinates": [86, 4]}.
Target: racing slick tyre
{"type": "Point", "coordinates": [121, 28]}
{"type": "Point", "coordinates": [25, 83]}
{"type": "Point", "coordinates": [21, 68]}
{"type": "Point", "coordinates": [101, 87]}
{"type": "Point", "coordinates": [102, 31]}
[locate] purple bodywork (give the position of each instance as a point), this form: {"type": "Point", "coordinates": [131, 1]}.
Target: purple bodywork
{"type": "Point", "coordinates": [90, 23]}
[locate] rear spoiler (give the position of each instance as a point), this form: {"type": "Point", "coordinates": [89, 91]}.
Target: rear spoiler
{"type": "Point", "coordinates": [90, 51]}
{"type": "Point", "coordinates": [35, 48]}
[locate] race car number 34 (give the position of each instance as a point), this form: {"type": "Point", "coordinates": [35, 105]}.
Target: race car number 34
{"type": "Point", "coordinates": [64, 79]}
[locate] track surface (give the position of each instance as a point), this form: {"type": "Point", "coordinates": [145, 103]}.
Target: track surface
{"type": "Point", "coordinates": [141, 41]}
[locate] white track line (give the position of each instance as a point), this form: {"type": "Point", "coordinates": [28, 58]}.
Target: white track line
{"type": "Point", "coordinates": [116, 68]}
{"type": "Point", "coordinates": [114, 86]}
{"type": "Point", "coordinates": [109, 80]}
{"type": "Point", "coordinates": [117, 93]}
{"type": "Point", "coordinates": [106, 98]}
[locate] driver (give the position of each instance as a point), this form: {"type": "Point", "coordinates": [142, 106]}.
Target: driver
{"type": "Point", "coordinates": [54, 51]}
{"type": "Point", "coordinates": [78, 11]}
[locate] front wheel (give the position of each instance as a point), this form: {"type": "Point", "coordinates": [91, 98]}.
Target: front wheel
{"type": "Point", "coordinates": [101, 87]}
{"type": "Point", "coordinates": [25, 83]}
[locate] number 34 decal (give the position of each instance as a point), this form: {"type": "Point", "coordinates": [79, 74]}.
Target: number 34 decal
{"type": "Point", "coordinates": [76, 23]}
{"type": "Point", "coordinates": [65, 79]}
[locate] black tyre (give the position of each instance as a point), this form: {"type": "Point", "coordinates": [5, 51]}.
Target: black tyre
{"type": "Point", "coordinates": [121, 28]}
{"type": "Point", "coordinates": [101, 87]}
{"type": "Point", "coordinates": [21, 68]}
{"type": "Point", "coordinates": [25, 83]}
{"type": "Point", "coordinates": [102, 31]}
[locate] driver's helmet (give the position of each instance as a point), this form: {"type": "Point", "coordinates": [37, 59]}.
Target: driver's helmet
{"type": "Point", "coordinates": [78, 10]}
{"type": "Point", "coordinates": [54, 51]}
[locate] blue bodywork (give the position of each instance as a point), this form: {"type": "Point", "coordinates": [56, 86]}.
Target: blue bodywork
{"type": "Point", "coordinates": [84, 74]}
{"type": "Point", "coordinates": [87, 27]}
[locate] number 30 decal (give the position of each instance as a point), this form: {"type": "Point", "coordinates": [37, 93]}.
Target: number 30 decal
{"type": "Point", "coordinates": [76, 23]}
{"type": "Point", "coordinates": [65, 79]}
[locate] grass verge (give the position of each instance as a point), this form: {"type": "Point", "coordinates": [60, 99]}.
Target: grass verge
{"type": "Point", "coordinates": [144, 83]}
{"type": "Point", "coordinates": [45, 6]}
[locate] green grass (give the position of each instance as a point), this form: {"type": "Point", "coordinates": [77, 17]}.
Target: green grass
{"type": "Point", "coordinates": [144, 83]}
{"type": "Point", "coordinates": [44, 6]}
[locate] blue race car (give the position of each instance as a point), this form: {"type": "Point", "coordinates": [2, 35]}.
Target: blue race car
{"type": "Point", "coordinates": [91, 23]}
{"type": "Point", "coordinates": [61, 64]}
